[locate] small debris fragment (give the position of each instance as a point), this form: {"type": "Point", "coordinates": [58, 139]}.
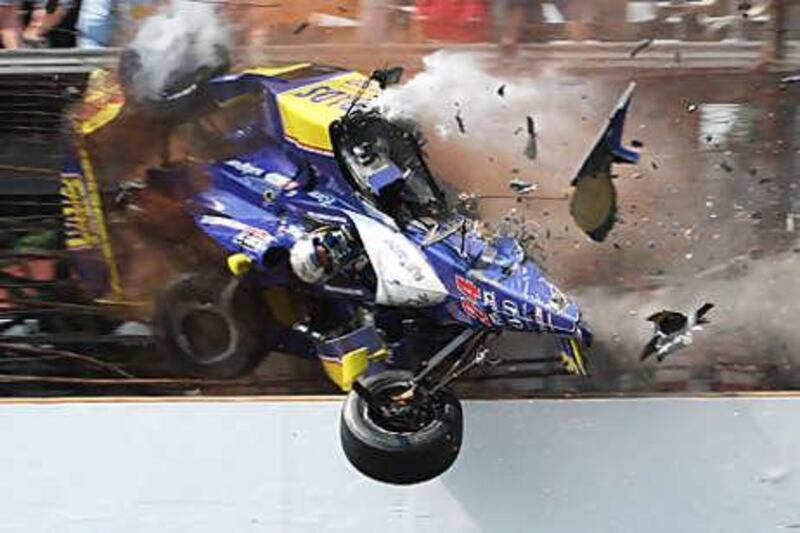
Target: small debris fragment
{"type": "Point", "coordinates": [654, 165]}
{"type": "Point", "coordinates": [724, 165]}
{"type": "Point", "coordinates": [300, 28]}
{"type": "Point", "coordinates": [790, 222]}
{"type": "Point", "coordinates": [501, 91]}
{"type": "Point", "coordinates": [756, 215]}
{"type": "Point", "coordinates": [744, 7]}
{"type": "Point", "coordinates": [651, 244]}
{"type": "Point", "coordinates": [795, 78]}
{"type": "Point", "coordinates": [691, 108]}
{"type": "Point", "coordinates": [521, 187]}
{"type": "Point", "coordinates": [637, 175]}
{"type": "Point", "coordinates": [636, 143]}
{"type": "Point", "coordinates": [709, 138]}
{"type": "Point", "coordinates": [641, 46]}
{"type": "Point", "coordinates": [531, 148]}
{"type": "Point", "coordinates": [460, 122]}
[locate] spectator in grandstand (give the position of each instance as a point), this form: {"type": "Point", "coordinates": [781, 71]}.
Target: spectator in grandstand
{"type": "Point", "coordinates": [454, 20]}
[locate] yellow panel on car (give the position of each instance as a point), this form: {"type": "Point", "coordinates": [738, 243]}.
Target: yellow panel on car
{"type": "Point", "coordinates": [275, 71]}
{"type": "Point", "coordinates": [308, 111]}
{"type": "Point", "coordinates": [343, 373]}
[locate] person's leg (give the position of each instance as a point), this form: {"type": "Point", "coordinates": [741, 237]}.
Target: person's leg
{"type": "Point", "coordinates": [41, 22]}
{"type": "Point", "coordinates": [96, 23]}
{"type": "Point", "coordinates": [515, 15]}
{"type": "Point", "coordinates": [32, 31]}
{"type": "Point", "coordinates": [10, 26]}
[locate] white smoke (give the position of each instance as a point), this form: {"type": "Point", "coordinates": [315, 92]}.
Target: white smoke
{"type": "Point", "coordinates": [493, 110]}
{"type": "Point", "coordinates": [181, 38]}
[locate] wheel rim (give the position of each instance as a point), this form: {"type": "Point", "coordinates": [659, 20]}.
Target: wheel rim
{"type": "Point", "coordinates": [412, 416]}
{"type": "Point", "coordinates": [205, 334]}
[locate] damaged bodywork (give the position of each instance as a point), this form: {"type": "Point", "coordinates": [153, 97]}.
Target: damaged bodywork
{"type": "Point", "coordinates": [338, 242]}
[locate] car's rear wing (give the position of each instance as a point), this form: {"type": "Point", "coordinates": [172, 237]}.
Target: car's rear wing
{"type": "Point", "coordinates": [594, 202]}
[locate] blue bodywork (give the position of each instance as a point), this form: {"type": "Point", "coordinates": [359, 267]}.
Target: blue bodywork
{"type": "Point", "coordinates": [260, 201]}
{"type": "Point", "coordinates": [273, 191]}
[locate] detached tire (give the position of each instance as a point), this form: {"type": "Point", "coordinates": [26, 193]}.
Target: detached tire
{"type": "Point", "coordinates": [399, 457]}
{"type": "Point", "coordinates": [208, 327]}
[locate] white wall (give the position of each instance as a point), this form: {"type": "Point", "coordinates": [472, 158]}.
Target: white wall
{"type": "Point", "coordinates": [575, 465]}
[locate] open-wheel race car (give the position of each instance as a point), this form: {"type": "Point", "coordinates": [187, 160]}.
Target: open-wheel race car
{"type": "Point", "coordinates": [327, 236]}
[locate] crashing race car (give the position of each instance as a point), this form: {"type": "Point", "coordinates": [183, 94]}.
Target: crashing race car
{"type": "Point", "coordinates": [330, 238]}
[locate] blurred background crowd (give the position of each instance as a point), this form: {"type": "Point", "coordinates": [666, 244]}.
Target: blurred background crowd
{"type": "Point", "coordinates": [102, 23]}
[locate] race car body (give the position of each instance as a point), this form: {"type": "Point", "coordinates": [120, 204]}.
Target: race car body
{"type": "Point", "coordinates": [329, 209]}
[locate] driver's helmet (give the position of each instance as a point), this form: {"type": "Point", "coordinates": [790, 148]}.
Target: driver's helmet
{"type": "Point", "coordinates": [319, 254]}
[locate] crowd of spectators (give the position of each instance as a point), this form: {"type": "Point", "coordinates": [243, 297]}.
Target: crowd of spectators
{"type": "Point", "coordinates": [99, 23]}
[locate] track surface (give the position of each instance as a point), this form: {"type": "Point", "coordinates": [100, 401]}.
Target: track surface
{"type": "Point", "coordinates": [682, 464]}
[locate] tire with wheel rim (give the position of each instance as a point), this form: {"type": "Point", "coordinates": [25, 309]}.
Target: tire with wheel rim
{"type": "Point", "coordinates": [210, 326]}
{"type": "Point", "coordinates": [397, 442]}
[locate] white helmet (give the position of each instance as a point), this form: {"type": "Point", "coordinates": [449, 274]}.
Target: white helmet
{"type": "Point", "coordinates": [304, 261]}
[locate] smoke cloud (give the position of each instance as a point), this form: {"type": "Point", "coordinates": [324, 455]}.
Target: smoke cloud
{"type": "Point", "coordinates": [182, 38]}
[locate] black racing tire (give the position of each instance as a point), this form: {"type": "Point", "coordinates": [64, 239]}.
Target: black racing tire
{"type": "Point", "coordinates": [207, 327]}
{"type": "Point", "coordinates": [394, 457]}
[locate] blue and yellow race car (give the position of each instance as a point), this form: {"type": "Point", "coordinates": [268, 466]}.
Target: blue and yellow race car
{"type": "Point", "coordinates": [326, 236]}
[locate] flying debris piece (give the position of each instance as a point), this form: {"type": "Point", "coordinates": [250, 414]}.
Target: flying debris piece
{"type": "Point", "coordinates": [501, 91]}
{"type": "Point", "coordinates": [636, 143]}
{"type": "Point", "coordinates": [795, 78]}
{"type": "Point", "coordinates": [724, 165]}
{"type": "Point", "coordinates": [744, 7]}
{"type": "Point", "coordinates": [594, 203]}
{"type": "Point", "coordinates": [531, 148]}
{"type": "Point", "coordinates": [691, 108]}
{"type": "Point", "coordinates": [300, 28]}
{"type": "Point", "coordinates": [460, 122]}
{"type": "Point", "coordinates": [673, 331]}
{"type": "Point", "coordinates": [654, 165]}
{"type": "Point", "coordinates": [640, 46]}
{"type": "Point", "coordinates": [519, 186]}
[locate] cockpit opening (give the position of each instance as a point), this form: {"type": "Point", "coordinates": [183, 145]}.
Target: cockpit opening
{"type": "Point", "coordinates": [384, 163]}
